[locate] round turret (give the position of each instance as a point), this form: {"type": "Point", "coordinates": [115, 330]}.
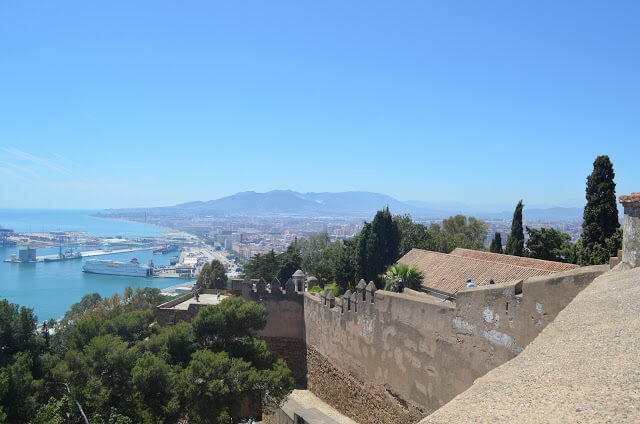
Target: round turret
{"type": "Point", "coordinates": [299, 278]}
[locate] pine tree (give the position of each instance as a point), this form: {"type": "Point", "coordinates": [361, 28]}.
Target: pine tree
{"type": "Point", "coordinates": [515, 241]}
{"type": "Point", "coordinates": [496, 244]}
{"type": "Point", "coordinates": [600, 215]}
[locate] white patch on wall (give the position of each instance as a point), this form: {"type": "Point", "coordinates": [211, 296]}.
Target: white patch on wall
{"type": "Point", "coordinates": [487, 314]}
{"type": "Point", "coordinates": [539, 307]}
{"type": "Point", "coordinates": [367, 327]}
{"type": "Point", "coordinates": [460, 324]}
{"type": "Point", "coordinates": [498, 338]}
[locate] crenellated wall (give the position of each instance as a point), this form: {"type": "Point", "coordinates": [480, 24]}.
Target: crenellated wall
{"type": "Point", "coordinates": [284, 333]}
{"type": "Point", "coordinates": [424, 351]}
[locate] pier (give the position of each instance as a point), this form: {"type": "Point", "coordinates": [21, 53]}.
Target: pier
{"type": "Point", "coordinates": [86, 254]}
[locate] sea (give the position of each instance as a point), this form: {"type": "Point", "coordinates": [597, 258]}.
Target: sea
{"type": "Point", "coordinates": [50, 288]}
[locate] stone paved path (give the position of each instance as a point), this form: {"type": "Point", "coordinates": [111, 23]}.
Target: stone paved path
{"type": "Point", "coordinates": [312, 409]}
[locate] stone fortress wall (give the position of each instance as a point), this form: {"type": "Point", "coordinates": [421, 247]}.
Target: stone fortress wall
{"type": "Point", "coordinates": [284, 333]}
{"type": "Point", "coordinates": [384, 357]}
{"type": "Point", "coordinates": [424, 351]}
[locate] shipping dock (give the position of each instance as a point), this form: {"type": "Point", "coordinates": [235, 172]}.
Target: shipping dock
{"type": "Point", "coordinates": [31, 257]}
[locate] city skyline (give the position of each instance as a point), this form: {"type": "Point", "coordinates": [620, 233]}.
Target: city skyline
{"type": "Point", "coordinates": [122, 105]}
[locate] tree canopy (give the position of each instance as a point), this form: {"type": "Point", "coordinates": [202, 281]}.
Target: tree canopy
{"type": "Point", "coordinates": [599, 240]}
{"type": "Point", "coordinates": [124, 369]}
{"type": "Point", "coordinates": [549, 244]}
{"type": "Point", "coordinates": [379, 244]}
{"type": "Point", "coordinates": [515, 241]}
{"type": "Point", "coordinates": [212, 276]}
{"type": "Point", "coordinates": [496, 244]}
{"type": "Point", "coordinates": [408, 275]}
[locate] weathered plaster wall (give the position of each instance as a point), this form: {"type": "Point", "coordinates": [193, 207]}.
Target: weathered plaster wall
{"type": "Point", "coordinates": [425, 351]}
{"type": "Point", "coordinates": [631, 231]}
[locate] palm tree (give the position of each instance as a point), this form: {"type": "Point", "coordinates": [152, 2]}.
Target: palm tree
{"type": "Point", "coordinates": [409, 275]}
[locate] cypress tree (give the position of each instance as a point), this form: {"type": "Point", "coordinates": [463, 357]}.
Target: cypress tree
{"type": "Point", "coordinates": [600, 218]}
{"type": "Point", "coordinates": [515, 241]}
{"type": "Point", "coordinates": [377, 246]}
{"type": "Point", "coordinates": [496, 244]}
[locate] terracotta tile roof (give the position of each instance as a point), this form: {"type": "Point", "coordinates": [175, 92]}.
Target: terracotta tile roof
{"type": "Point", "coordinates": [448, 273]}
{"type": "Point", "coordinates": [514, 260]}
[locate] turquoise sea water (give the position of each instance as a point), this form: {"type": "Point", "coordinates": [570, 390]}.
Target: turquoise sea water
{"type": "Point", "coordinates": [50, 288]}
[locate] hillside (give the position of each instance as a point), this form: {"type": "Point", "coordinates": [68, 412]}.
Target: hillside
{"type": "Point", "coordinates": [345, 204]}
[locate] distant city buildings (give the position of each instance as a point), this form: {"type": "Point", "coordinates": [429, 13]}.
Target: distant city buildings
{"type": "Point", "coordinates": [246, 236]}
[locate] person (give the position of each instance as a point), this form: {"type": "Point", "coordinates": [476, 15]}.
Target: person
{"type": "Point", "coordinates": [250, 420]}
{"type": "Point", "coordinates": [470, 283]}
{"type": "Point", "coordinates": [218, 296]}
{"type": "Point", "coordinates": [268, 286]}
{"type": "Point", "coordinates": [400, 287]}
{"type": "Point", "coordinates": [491, 282]}
{"type": "Point", "coordinates": [197, 297]}
{"type": "Point", "coordinates": [201, 289]}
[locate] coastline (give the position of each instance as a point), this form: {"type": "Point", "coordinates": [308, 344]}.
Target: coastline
{"type": "Point", "coordinates": [107, 218]}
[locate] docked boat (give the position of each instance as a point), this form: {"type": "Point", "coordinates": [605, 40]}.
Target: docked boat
{"type": "Point", "coordinates": [132, 268]}
{"type": "Point", "coordinates": [166, 249]}
{"type": "Point", "coordinates": [68, 255]}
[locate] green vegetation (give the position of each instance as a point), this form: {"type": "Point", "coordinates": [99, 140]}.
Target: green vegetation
{"type": "Point", "coordinates": [334, 288]}
{"type": "Point", "coordinates": [123, 368]}
{"type": "Point", "coordinates": [408, 275]}
{"type": "Point", "coordinates": [550, 244]}
{"type": "Point", "coordinates": [496, 244]}
{"type": "Point", "coordinates": [455, 231]}
{"type": "Point", "coordinates": [515, 241]}
{"type": "Point", "coordinates": [380, 243]}
{"type": "Point", "coordinates": [212, 276]}
{"type": "Point", "coordinates": [601, 235]}
{"type": "Point", "coordinates": [377, 246]}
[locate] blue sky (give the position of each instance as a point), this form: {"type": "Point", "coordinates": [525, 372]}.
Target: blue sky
{"type": "Point", "coordinates": [116, 104]}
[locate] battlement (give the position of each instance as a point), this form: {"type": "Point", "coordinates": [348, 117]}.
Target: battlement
{"type": "Point", "coordinates": [258, 290]}
{"type": "Point", "coordinates": [381, 338]}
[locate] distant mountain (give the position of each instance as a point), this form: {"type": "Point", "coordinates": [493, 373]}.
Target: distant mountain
{"type": "Point", "coordinates": [360, 204]}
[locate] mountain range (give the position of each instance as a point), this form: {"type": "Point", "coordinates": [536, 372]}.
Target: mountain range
{"type": "Point", "coordinates": [347, 204]}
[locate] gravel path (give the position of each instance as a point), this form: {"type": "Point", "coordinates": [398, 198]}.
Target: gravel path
{"type": "Point", "coordinates": [583, 368]}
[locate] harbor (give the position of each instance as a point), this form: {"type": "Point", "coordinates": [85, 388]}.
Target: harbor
{"type": "Point", "coordinates": [27, 257]}
{"type": "Point", "coordinates": [187, 265]}
{"type": "Point", "coordinates": [44, 268]}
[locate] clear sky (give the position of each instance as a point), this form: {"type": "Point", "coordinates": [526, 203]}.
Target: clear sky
{"type": "Point", "coordinates": [123, 104]}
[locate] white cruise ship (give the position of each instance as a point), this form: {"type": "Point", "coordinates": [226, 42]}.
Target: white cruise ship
{"type": "Point", "coordinates": [129, 269]}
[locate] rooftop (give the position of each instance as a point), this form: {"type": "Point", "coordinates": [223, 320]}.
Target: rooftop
{"type": "Point", "coordinates": [205, 299]}
{"type": "Point", "coordinates": [449, 272]}
{"type": "Point", "coordinates": [514, 260]}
